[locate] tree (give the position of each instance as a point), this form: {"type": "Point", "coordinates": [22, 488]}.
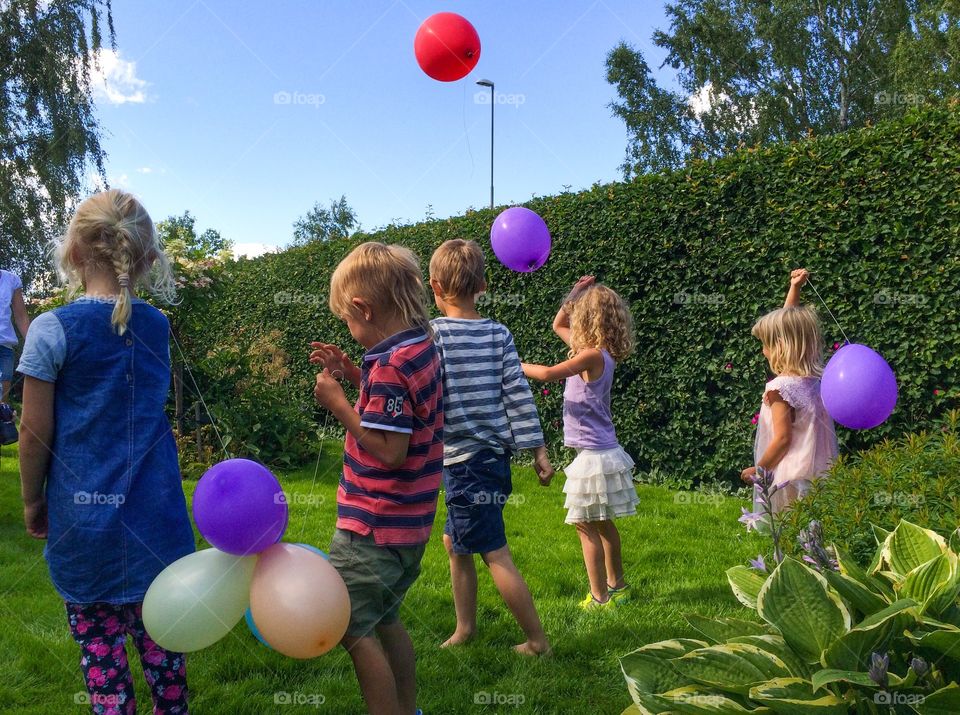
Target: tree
{"type": "Point", "coordinates": [196, 247]}
{"type": "Point", "coordinates": [755, 71]}
{"type": "Point", "coordinates": [325, 224]}
{"type": "Point", "coordinates": [49, 137]}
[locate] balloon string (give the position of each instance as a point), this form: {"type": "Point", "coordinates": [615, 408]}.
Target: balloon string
{"type": "Point", "coordinates": [316, 469]}
{"type": "Point", "coordinates": [810, 283]}
{"type": "Point", "coordinates": [196, 389]}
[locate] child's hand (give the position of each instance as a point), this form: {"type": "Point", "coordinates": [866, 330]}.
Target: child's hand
{"type": "Point", "coordinates": [578, 288]}
{"type": "Point", "coordinates": [799, 276]}
{"type": "Point", "coordinates": [331, 357]}
{"type": "Point", "coordinates": [541, 463]}
{"type": "Point", "coordinates": [748, 475]}
{"type": "Point", "coordinates": [328, 391]}
{"type": "Point", "coordinates": [35, 519]}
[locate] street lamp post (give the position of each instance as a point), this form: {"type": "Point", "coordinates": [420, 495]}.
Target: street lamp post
{"type": "Point", "coordinates": [489, 83]}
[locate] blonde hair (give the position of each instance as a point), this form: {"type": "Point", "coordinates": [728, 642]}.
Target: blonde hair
{"type": "Point", "coordinates": [601, 319]}
{"type": "Point", "coordinates": [387, 277]}
{"type": "Point", "coordinates": [112, 231]}
{"type": "Point", "coordinates": [458, 266]}
{"type": "Point", "coordinates": [792, 336]}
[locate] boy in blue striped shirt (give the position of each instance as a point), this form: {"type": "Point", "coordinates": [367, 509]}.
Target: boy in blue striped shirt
{"type": "Point", "coordinates": [489, 413]}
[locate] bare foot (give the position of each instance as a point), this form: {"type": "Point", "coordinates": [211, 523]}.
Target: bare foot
{"type": "Point", "coordinates": [458, 638]}
{"type": "Point", "coordinates": [531, 649]}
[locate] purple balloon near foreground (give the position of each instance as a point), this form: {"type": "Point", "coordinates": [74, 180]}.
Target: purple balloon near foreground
{"type": "Point", "coordinates": [858, 387]}
{"type": "Point", "coordinates": [520, 239]}
{"type": "Point", "coordinates": [239, 507]}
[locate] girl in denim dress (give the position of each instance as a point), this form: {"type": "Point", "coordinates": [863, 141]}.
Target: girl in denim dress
{"type": "Point", "coordinates": [98, 461]}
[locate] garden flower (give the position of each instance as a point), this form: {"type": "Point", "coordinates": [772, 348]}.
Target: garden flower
{"type": "Point", "coordinates": [728, 366]}
{"type": "Point", "coordinates": [758, 564]}
{"type": "Point", "coordinates": [750, 519]}
{"type": "Point", "coordinates": [878, 669]}
{"type": "Point", "coordinates": [756, 418]}
{"type": "Point", "coordinates": [818, 556]}
{"type": "Point", "coordinates": [546, 391]}
{"type": "Point", "coordinates": [919, 666]}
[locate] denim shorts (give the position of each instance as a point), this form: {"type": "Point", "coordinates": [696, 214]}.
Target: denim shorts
{"type": "Point", "coordinates": [476, 491]}
{"type": "Point", "coordinates": [6, 364]}
{"type": "Point", "coordinates": [377, 578]}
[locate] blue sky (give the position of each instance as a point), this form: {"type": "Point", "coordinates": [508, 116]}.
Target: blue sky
{"type": "Point", "coordinates": [192, 120]}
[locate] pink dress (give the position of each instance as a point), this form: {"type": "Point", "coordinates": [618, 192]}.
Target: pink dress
{"type": "Point", "coordinates": [813, 440]}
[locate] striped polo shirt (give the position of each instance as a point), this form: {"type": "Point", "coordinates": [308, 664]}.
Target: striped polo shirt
{"type": "Point", "coordinates": [488, 404]}
{"type": "Point", "coordinates": [400, 391]}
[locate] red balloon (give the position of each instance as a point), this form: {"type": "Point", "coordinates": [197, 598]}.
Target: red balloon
{"type": "Point", "coordinates": [447, 46]}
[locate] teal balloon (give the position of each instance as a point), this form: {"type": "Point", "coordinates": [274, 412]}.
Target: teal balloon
{"type": "Point", "coordinates": [198, 599]}
{"type": "Point", "coordinates": [248, 617]}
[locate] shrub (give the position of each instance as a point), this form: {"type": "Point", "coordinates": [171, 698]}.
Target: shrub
{"type": "Point", "coordinates": [699, 254]}
{"type": "Point", "coordinates": [882, 639]}
{"type": "Point", "coordinates": [915, 478]}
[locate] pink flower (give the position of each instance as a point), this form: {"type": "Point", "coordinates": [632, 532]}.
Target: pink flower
{"type": "Point", "coordinates": [546, 391]}
{"type": "Point", "coordinates": [728, 366]}
{"type": "Point", "coordinates": [836, 345]}
{"type": "Point", "coordinates": [99, 649]}
{"type": "Point", "coordinates": [936, 392]}
{"type": "Point", "coordinates": [172, 692]}
{"type": "Point", "coordinates": [755, 419]}
{"type": "Point", "coordinates": [111, 625]}
{"type": "Point", "coordinates": [153, 657]}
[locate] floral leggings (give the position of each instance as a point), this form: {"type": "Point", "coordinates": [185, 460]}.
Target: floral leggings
{"type": "Point", "coordinates": [101, 629]}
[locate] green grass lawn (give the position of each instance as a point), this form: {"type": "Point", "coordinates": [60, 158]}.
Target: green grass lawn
{"type": "Point", "coordinates": [675, 555]}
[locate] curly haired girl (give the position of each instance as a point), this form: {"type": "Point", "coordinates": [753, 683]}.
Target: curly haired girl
{"type": "Point", "coordinates": [596, 324]}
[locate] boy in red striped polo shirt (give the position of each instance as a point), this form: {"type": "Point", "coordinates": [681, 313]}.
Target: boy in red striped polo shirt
{"type": "Point", "coordinates": [392, 462]}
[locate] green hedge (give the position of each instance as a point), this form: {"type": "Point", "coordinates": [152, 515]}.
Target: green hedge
{"type": "Point", "coordinates": [700, 254]}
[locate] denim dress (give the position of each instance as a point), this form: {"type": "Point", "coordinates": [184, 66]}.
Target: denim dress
{"type": "Point", "coordinates": [117, 512]}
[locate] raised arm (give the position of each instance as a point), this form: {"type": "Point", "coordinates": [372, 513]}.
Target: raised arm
{"type": "Point", "coordinates": [797, 278]}
{"type": "Point", "coordinates": [561, 323]}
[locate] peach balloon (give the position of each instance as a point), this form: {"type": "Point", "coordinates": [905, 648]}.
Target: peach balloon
{"type": "Point", "coordinates": [298, 601]}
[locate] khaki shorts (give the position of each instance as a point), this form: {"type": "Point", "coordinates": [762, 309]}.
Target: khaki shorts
{"type": "Point", "coordinates": [377, 578]}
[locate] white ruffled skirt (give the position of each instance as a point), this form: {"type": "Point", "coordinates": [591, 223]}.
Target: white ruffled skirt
{"type": "Point", "coordinates": [599, 486]}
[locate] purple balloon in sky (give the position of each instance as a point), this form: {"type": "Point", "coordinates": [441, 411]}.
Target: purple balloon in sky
{"type": "Point", "coordinates": [239, 507]}
{"type": "Point", "coordinates": [858, 387]}
{"type": "Point", "coordinates": [520, 239]}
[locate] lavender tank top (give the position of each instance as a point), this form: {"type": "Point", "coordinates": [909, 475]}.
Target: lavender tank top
{"type": "Point", "coordinates": [587, 421]}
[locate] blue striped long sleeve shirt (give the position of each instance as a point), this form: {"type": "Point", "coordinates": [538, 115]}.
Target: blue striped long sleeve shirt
{"type": "Point", "coordinates": [487, 400]}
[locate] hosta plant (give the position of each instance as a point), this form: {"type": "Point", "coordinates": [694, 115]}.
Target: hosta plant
{"type": "Point", "coordinates": [852, 640]}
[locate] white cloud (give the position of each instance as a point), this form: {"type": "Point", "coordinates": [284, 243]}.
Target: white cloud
{"type": "Point", "coordinates": [252, 250]}
{"type": "Point", "coordinates": [115, 80]}
{"type": "Point", "coordinates": [145, 170]}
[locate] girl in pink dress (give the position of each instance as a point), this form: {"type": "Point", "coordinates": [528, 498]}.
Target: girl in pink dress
{"type": "Point", "coordinates": [795, 439]}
